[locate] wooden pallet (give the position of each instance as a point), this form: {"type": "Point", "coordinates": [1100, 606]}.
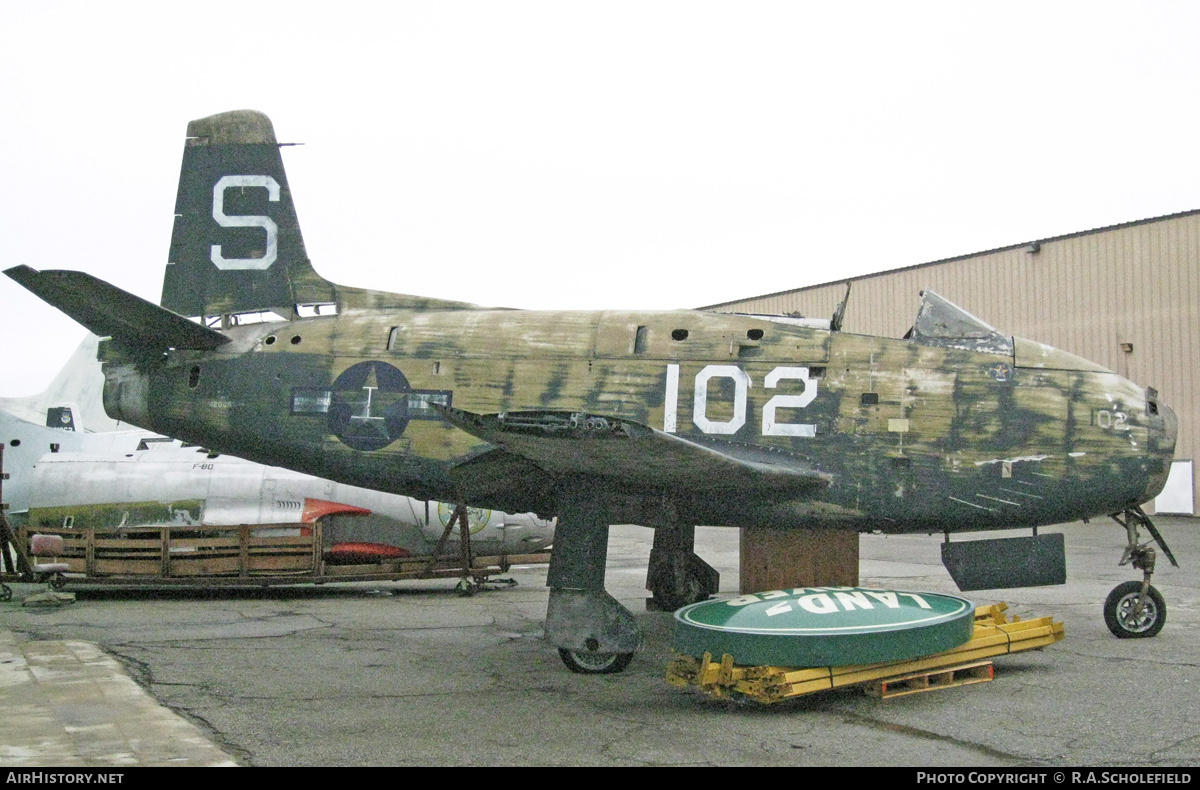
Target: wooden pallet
{"type": "Point", "coordinates": [932, 680]}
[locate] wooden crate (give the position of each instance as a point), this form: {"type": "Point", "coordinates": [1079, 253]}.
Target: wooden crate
{"type": "Point", "coordinates": [166, 552]}
{"type": "Point", "coordinates": [239, 556]}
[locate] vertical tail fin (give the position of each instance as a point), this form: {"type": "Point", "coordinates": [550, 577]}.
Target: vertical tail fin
{"type": "Point", "coordinates": [236, 246]}
{"type": "Point", "coordinates": [75, 392]}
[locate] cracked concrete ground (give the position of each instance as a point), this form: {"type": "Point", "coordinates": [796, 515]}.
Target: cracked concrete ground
{"type": "Point", "coordinates": [410, 673]}
{"type": "Point", "coordinates": [66, 703]}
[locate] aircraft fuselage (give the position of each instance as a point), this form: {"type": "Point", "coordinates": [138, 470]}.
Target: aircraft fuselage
{"type": "Point", "coordinates": [912, 437]}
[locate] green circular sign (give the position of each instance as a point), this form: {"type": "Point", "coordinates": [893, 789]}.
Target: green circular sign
{"type": "Point", "coordinates": [824, 626]}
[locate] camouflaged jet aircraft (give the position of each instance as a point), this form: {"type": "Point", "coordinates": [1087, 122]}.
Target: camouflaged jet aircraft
{"type": "Point", "coordinates": [665, 419]}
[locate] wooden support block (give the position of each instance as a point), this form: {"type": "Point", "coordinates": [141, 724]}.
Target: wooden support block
{"type": "Point", "coordinates": [777, 559]}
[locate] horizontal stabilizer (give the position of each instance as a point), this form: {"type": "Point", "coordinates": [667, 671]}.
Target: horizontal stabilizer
{"type": "Point", "coordinates": [108, 311]}
{"type": "Point", "coordinates": [564, 443]}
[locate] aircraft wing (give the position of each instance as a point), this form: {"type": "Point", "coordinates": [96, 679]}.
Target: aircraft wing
{"type": "Point", "coordinates": [561, 443]}
{"type": "Point", "coordinates": [106, 310]}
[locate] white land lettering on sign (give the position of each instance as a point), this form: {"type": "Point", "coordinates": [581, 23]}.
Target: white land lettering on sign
{"type": "Point", "coordinates": [245, 221]}
{"type": "Point", "coordinates": [819, 600]}
{"type": "Point", "coordinates": [817, 603]}
{"type": "Point", "coordinates": [852, 600]}
{"type": "Point", "coordinates": [888, 599]}
{"type": "Point", "coordinates": [742, 386]}
{"type": "Point", "coordinates": [749, 598]}
{"type": "Point", "coordinates": [821, 603]}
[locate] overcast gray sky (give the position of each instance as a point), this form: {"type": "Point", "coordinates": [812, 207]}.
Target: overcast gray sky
{"type": "Point", "coordinates": [591, 155]}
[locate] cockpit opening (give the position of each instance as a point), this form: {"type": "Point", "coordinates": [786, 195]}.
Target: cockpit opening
{"type": "Point", "coordinates": [943, 323]}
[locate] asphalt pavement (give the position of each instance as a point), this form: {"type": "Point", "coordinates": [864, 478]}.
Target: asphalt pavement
{"type": "Point", "coordinates": [411, 673]}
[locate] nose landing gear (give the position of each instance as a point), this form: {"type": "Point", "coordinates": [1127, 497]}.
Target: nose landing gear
{"type": "Point", "coordinates": [1133, 609]}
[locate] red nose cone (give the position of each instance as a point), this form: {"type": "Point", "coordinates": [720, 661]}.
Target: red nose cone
{"type": "Point", "coordinates": [315, 508]}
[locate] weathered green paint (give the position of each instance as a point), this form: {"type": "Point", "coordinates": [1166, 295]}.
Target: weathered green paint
{"type": "Point", "coordinates": [942, 438]}
{"type": "Point", "coordinates": [938, 432]}
{"type": "Point", "coordinates": [824, 626]}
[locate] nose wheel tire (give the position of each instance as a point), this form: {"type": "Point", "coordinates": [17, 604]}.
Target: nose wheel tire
{"type": "Point", "coordinates": [1119, 611]}
{"type": "Point", "coordinates": [594, 663]}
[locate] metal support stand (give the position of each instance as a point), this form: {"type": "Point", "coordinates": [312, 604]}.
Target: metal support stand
{"type": "Point", "coordinates": [466, 584]}
{"type": "Point", "coordinates": [13, 562]}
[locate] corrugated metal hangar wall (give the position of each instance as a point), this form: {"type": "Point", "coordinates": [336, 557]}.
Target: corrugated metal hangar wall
{"type": "Point", "coordinates": [1126, 296]}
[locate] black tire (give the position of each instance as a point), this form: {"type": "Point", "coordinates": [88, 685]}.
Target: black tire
{"type": "Point", "coordinates": [594, 663]}
{"type": "Point", "coordinates": [1120, 604]}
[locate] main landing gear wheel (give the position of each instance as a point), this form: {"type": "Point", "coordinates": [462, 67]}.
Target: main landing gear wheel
{"type": "Point", "coordinates": [594, 663]}
{"type": "Point", "coordinates": [1119, 610]}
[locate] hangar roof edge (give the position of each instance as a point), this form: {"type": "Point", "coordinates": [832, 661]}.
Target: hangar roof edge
{"type": "Point", "coordinates": [856, 278]}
